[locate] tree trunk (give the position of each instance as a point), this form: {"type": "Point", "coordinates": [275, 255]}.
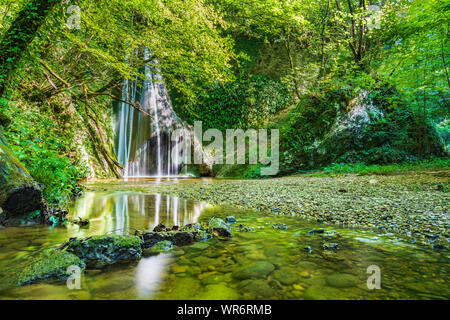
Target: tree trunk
{"type": "Point", "coordinates": [19, 35]}
{"type": "Point", "coordinates": [19, 193]}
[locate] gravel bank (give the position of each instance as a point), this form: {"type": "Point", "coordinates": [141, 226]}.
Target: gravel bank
{"type": "Point", "coordinates": [413, 206]}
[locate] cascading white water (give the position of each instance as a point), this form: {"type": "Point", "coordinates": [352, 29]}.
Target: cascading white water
{"type": "Point", "coordinates": [143, 144]}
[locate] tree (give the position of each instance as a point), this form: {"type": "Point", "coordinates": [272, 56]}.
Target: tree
{"type": "Point", "coordinates": [19, 35]}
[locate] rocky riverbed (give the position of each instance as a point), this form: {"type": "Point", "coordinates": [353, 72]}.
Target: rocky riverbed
{"type": "Point", "coordinates": [271, 254]}
{"type": "Point", "coordinates": [411, 206]}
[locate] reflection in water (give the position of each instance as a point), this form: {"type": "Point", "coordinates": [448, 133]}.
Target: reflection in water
{"type": "Point", "coordinates": [122, 212]}
{"type": "Point", "coordinates": [217, 269]}
{"type": "Point", "coordinates": [149, 273]}
{"type": "Point", "coordinates": [108, 212]}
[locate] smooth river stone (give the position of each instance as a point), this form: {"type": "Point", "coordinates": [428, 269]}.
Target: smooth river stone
{"type": "Point", "coordinates": [322, 293]}
{"type": "Point", "coordinates": [286, 276]}
{"type": "Point", "coordinates": [342, 280]}
{"type": "Point", "coordinates": [257, 289]}
{"type": "Point", "coordinates": [218, 291]}
{"type": "Point", "coordinates": [260, 269]}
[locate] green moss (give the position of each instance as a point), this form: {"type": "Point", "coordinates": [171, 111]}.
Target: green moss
{"type": "Point", "coordinates": [50, 265]}
{"type": "Point", "coordinates": [99, 251]}
{"type": "Point", "coordinates": [116, 240]}
{"type": "Point", "coordinates": [160, 247]}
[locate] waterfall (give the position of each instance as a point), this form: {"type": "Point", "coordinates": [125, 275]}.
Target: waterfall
{"type": "Point", "coordinates": [143, 144]}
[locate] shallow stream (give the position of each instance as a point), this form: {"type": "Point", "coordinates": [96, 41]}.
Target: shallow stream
{"type": "Point", "coordinates": [261, 263]}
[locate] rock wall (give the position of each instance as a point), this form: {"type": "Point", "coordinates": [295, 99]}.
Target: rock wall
{"type": "Point", "coordinates": [368, 133]}
{"type": "Point", "coordinates": [19, 193]}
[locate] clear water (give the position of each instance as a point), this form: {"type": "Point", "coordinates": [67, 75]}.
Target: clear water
{"type": "Point", "coordinates": [216, 269]}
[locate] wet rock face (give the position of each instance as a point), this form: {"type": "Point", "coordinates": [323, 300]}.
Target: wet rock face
{"type": "Point", "coordinates": [348, 133]}
{"type": "Point", "coordinates": [19, 193]}
{"type": "Point", "coordinates": [183, 238]}
{"type": "Point", "coordinates": [219, 226]}
{"type": "Point", "coordinates": [186, 235]}
{"type": "Point", "coordinates": [51, 265]}
{"type": "Point", "coordinates": [23, 200]}
{"type": "Point", "coordinates": [100, 251]}
{"type": "Point", "coordinates": [179, 238]}
{"type": "Point", "coordinates": [358, 136]}
{"type": "Point", "coordinates": [151, 238]}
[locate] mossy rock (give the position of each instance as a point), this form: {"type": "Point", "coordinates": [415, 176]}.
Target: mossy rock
{"type": "Point", "coordinates": [219, 227]}
{"type": "Point", "coordinates": [160, 247]}
{"type": "Point", "coordinates": [50, 265]}
{"type": "Point", "coordinates": [19, 193]}
{"type": "Point", "coordinates": [100, 251]}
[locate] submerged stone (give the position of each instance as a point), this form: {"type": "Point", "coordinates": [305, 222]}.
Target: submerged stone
{"type": "Point", "coordinates": [199, 246]}
{"type": "Point", "coordinates": [50, 265]}
{"type": "Point", "coordinates": [218, 291]}
{"type": "Point", "coordinates": [316, 292]}
{"type": "Point", "coordinates": [244, 228]}
{"type": "Point", "coordinates": [202, 235]}
{"type": "Point", "coordinates": [286, 276]}
{"type": "Point", "coordinates": [260, 269]}
{"type": "Point", "coordinates": [257, 289]}
{"type": "Point", "coordinates": [100, 251]}
{"type": "Point", "coordinates": [342, 280]}
{"type": "Point", "coordinates": [160, 247]}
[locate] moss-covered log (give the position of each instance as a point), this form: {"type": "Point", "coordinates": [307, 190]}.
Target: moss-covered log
{"type": "Point", "coordinates": [19, 193]}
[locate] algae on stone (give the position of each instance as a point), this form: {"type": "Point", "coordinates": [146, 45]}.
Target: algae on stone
{"type": "Point", "coordinates": [100, 251]}
{"type": "Point", "coordinates": [50, 265]}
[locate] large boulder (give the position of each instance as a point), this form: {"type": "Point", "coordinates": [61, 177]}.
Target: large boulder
{"type": "Point", "coordinates": [100, 251]}
{"type": "Point", "coordinates": [19, 193]}
{"type": "Point", "coordinates": [372, 133]}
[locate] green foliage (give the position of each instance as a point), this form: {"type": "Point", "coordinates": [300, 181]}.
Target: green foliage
{"type": "Point", "coordinates": [247, 102]}
{"type": "Point", "coordinates": [231, 64]}
{"type": "Point", "coordinates": [364, 169]}
{"type": "Point", "coordinates": [35, 214]}
{"type": "Point", "coordinates": [308, 122]}
{"type": "Point", "coordinates": [33, 138]}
